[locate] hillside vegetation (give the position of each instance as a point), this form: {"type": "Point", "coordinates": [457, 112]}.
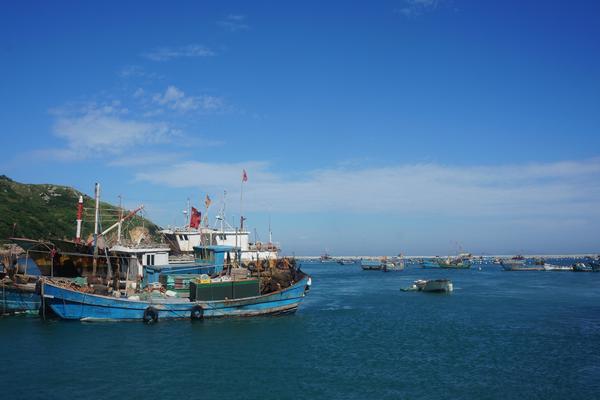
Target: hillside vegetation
{"type": "Point", "coordinates": [45, 211]}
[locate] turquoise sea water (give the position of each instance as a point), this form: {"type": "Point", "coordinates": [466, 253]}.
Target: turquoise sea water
{"type": "Point", "coordinates": [500, 335]}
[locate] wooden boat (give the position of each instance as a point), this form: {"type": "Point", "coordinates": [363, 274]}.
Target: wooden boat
{"type": "Point", "coordinates": [70, 302]}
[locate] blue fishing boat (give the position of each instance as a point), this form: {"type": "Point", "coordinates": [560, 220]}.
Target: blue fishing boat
{"type": "Point", "coordinates": [230, 291]}
{"type": "Point", "coordinates": [430, 264]}
{"type": "Point", "coordinates": [68, 302]}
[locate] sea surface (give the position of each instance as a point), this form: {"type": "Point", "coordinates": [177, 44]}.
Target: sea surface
{"type": "Point", "coordinates": [500, 335]}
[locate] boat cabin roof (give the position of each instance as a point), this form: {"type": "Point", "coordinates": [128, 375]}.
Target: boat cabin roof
{"type": "Point", "coordinates": [215, 248]}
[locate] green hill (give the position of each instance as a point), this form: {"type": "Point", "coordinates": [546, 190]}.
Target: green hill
{"type": "Point", "coordinates": [47, 211]}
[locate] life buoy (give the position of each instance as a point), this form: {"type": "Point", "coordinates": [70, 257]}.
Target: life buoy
{"type": "Point", "coordinates": [150, 315]}
{"type": "Point", "coordinates": [197, 313]}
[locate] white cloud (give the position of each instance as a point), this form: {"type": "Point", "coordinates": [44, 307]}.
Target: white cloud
{"type": "Point", "coordinates": [555, 190]}
{"type": "Point", "coordinates": [176, 99]}
{"type": "Point", "coordinates": [136, 71]}
{"type": "Point", "coordinates": [234, 22]}
{"type": "Point", "coordinates": [414, 8]}
{"type": "Point", "coordinates": [147, 158]}
{"type": "Point", "coordinates": [105, 129]}
{"type": "Point", "coordinates": [168, 53]}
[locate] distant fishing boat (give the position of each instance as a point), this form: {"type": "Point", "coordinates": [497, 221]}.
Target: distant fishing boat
{"type": "Point", "coordinates": [370, 265]}
{"type": "Point", "coordinates": [583, 267]}
{"type": "Point", "coordinates": [553, 267]}
{"type": "Point", "coordinates": [431, 285]}
{"type": "Point", "coordinates": [430, 263]}
{"type": "Point", "coordinates": [182, 240]}
{"type": "Point", "coordinates": [455, 263]}
{"type": "Point", "coordinates": [519, 265]}
{"type": "Point", "coordinates": [325, 258]}
{"type": "Point", "coordinates": [346, 262]}
{"type": "Point", "coordinates": [589, 265]}
{"type": "Point", "coordinates": [462, 261]}
{"type": "Point", "coordinates": [394, 264]}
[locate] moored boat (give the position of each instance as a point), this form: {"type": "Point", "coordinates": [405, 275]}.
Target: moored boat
{"type": "Point", "coordinates": [461, 261]}
{"type": "Point", "coordinates": [554, 267]}
{"type": "Point", "coordinates": [395, 264]}
{"type": "Point", "coordinates": [370, 265]}
{"type": "Point", "coordinates": [431, 285]}
{"type": "Point", "coordinates": [430, 263]}
{"type": "Point", "coordinates": [18, 295]}
{"type": "Point", "coordinates": [69, 303]}
{"type": "Point", "coordinates": [582, 267]}
{"type": "Point", "coordinates": [232, 291]}
{"type": "Point", "coordinates": [519, 265]}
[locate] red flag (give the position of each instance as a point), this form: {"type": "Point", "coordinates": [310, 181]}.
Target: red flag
{"type": "Point", "coordinates": [244, 176]}
{"type": "Point", "coordinates": [195, 218]}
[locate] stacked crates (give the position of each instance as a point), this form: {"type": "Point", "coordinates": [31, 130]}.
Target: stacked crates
{"type": "Point", "coordinates": [223, 290]}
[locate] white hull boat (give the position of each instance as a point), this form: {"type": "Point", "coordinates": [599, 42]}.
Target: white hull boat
{"type": "Point", "coordinates": [552, 267]}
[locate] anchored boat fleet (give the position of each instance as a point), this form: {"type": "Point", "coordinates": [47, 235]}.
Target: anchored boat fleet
{"type": "Point", "coordinates": [196, 272]}
{"type": "Point", "coordinates": [200, 272]}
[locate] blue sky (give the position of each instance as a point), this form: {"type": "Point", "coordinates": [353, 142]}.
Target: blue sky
{"type": "Point", "coordinates": [365, 127]}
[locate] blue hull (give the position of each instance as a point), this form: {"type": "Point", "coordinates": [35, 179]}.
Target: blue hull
{"type": "Point", "coordinates": [74, 305]}
{"type": "Point", "coordinates": [430, 264]}
{"type": "Point", "coordinates": [14, 299]}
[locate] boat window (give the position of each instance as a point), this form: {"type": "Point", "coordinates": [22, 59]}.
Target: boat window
{"type": "Point", "coordinates": [150, 259]}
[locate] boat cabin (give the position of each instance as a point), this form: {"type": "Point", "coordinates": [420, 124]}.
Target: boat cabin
{"type": "Point", "coordinates": [216, 255]}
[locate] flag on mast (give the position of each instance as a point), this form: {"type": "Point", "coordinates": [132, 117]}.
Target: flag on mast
{"type": "Point", "coordinates": [207, 201]}
{"type": "Point", "coordinates": [195, 218]}
{"type": "Point", "coordinates": [244, 176]}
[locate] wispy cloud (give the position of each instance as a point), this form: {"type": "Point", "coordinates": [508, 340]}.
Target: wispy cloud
{"type": "Point", "coordinates": [414, 8]}
{"type": "Point", "coordinates": [188, 51]}
{"type": "Point", "coordinates": [175, 99]}
{"type": "Point", "coordinates": [136, 71]}
{"type": "Point", "coordinates": [234, 23]}
{"type": "Point", "coordinates": [151, 158]}
{"type": "Point", "coordinates": [100, 129]}
{"type": "Point", "coordinates": [557, 190]}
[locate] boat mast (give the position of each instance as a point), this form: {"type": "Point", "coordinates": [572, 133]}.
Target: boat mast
{"type": "Point", "coordinates": [187, 212]}
{"type": "Point", "coordinates": [223, 211]}
{"type": "Point", "coordinates": [270, 232]}
{"type": "Point", "coordinates": [96, 217]}
{"type": "Point", "coordinates": [79, 219]}
{"type": "Point", "coordinates": [120, 219]}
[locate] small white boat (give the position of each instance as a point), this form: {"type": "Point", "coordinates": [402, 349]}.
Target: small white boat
{"type": "Point", "coordinates": [553, 267]}
{"type": "Point", "coordinates": [431, 285]}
